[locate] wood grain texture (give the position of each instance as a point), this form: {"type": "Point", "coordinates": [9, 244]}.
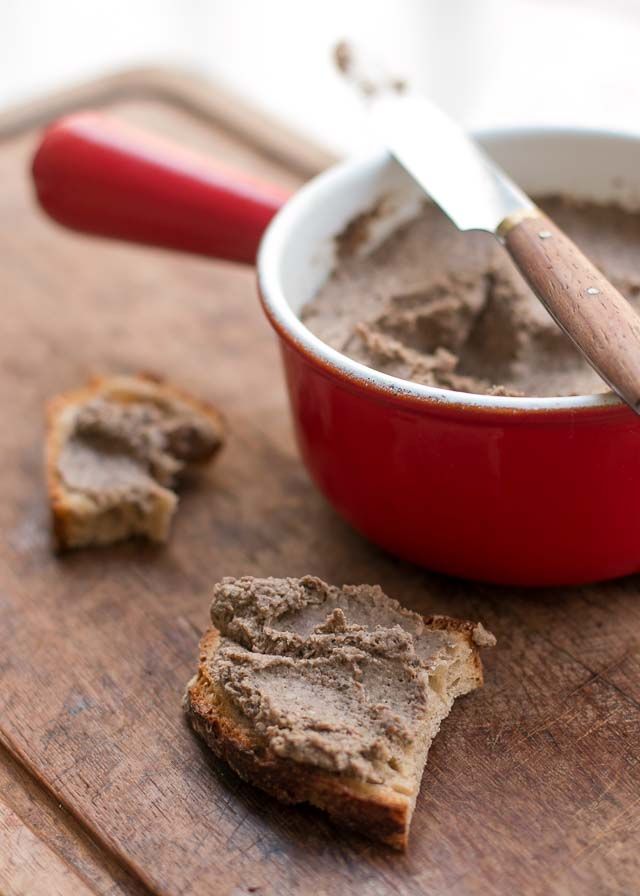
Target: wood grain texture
{"type": "Point", "coordinates": [28, 867]}
{"type": "Point", "coordinates": [532, 786]}
{"type": "Point", "coordinates": [63, 842]}
{"type": "Point", "coordinates": [582, 301]}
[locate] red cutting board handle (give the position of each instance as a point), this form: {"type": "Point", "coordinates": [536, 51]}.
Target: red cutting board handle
{"type": "Point", "coordinates": [98, 175]}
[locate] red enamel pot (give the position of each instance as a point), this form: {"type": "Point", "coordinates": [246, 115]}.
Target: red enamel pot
{"type": "Point", "coordinates": [533, 491]}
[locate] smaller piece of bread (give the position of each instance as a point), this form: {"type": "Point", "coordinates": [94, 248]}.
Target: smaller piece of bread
{"type": "Point", "coordinates": [115, 450]}
{"type": "Point", "coordinates": [330, 696]}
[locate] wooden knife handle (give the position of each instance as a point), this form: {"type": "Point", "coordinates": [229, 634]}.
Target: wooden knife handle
{"type": "Point", "coordinates": [598, 319]}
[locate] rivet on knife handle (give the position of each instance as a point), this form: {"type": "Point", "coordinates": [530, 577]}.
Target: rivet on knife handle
{"type": "Point", "coordinates": [598, 319]}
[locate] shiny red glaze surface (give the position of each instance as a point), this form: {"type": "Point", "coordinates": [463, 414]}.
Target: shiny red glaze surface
{"type": "Point", "coordinates": [529, 498]}
{"type": "Point", "coordinates": [98, 175]}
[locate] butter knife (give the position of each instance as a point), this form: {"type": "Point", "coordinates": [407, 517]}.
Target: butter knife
{"type": "Point", "coordinates": [477, 195]}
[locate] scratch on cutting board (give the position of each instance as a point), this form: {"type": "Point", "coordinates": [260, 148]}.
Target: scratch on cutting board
{"type": "Point", "coordinates": [597, 843]}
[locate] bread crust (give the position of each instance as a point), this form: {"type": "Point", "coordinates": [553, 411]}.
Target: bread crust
{"type": "Point", "coordinates": [62, 515]}
{"type": "Point", "coordinates": [377, 811]}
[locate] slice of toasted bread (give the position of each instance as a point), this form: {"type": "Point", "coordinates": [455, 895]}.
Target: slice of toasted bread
{"type": "Point", "coordinates": [245, 728]}
{"type": "Point", "coordinates": [113, 452]}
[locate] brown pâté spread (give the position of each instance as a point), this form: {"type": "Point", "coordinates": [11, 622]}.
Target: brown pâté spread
{"type": "Point", "coordinates": [122, 448]}
{"type": "Point", "coordinates": [338, 678]}
{"type": "Point", "coordinates": [449, 309]}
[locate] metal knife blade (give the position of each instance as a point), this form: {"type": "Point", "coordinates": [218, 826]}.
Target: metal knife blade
{"type": "Point", "coordinates": [460, 178]}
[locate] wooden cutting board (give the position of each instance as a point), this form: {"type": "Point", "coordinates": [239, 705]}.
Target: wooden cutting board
{"type": "Point", "coordinates": [533, 785]}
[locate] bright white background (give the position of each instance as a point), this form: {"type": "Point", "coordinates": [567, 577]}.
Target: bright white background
{"type": "Point", "coordinates": [486, 61]}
